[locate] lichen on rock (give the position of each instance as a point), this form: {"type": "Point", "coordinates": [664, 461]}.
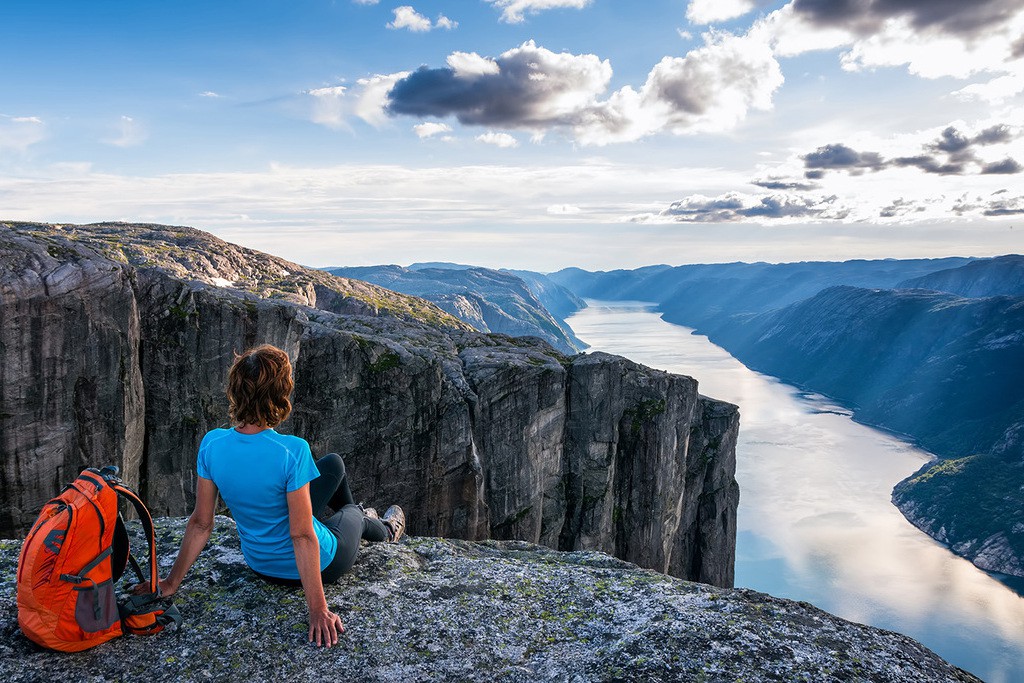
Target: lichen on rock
{"type": "Point", "coordinates": [430, 609]}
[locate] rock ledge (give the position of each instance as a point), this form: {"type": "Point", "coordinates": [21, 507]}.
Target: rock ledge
{"type": "Point", "coordinates": [431, 609]}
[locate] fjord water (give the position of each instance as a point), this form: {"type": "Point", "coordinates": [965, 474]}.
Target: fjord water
{"type": "Point", "coordinates": [815, 519]}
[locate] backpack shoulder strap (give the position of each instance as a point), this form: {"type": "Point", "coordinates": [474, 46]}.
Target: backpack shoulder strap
{"type": "Point", "coordinates": [147, 525]}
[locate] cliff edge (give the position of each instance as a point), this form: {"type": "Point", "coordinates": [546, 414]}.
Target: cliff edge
{"type": "Point", "coordinates": [429, 609]}
{"type": "Point", "coordinates": [115, 341]}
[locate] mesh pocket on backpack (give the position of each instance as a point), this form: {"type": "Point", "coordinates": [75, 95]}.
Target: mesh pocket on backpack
{"type": "Point", "coordinates": [96, 606]}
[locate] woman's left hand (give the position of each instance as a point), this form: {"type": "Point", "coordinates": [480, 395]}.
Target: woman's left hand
{"type": "Point", "coordinates": [166, 588]}
{"type": "Point", "coordinates": [324, 628]}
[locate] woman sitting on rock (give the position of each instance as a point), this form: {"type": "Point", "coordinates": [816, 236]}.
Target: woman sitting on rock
{"type": "Point", "coordinates": [275, 490]}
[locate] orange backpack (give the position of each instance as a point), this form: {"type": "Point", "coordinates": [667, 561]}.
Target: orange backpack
{"type": "Point", "coordinates": [75, 552]}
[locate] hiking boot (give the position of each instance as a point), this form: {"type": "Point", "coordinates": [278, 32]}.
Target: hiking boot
{"type": "Point", "coordinates": [394, 520]}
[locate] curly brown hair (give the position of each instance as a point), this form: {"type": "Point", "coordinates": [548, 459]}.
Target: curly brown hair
{"type": "Point", "coordinates": [259, 386]}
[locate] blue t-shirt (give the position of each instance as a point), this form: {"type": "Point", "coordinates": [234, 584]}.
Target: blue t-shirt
{"type": "Point", "coordinates": [254, 473]}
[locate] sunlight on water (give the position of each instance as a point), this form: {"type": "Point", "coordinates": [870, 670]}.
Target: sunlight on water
{"type": "Point", "coordinates": [815, 519]}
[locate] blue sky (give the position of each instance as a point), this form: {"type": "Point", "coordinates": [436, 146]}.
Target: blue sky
{"type": "Point", "coordinates": [524, 133]}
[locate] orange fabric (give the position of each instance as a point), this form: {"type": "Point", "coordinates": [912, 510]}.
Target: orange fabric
{"type": "Point", "coordinates": [78, 611]}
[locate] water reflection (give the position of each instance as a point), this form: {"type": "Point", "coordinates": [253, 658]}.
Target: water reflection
{"type": "Point", "coordinates": [815, 521]}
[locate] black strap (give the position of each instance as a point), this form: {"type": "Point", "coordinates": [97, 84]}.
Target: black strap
{"type": "Point", "coordinates": [136, 568]}
{"type": "Point", "coordinates": [147, 525]}
{"type": "Point", "coordinates": [81, 575]}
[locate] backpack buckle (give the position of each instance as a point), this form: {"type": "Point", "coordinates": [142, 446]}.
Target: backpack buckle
{"type": "Point", "coordinates": [109, 474]}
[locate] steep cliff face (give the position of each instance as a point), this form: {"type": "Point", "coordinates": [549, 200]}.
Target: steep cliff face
{"type": "Point", "coordinates": [973, 504]}
{"type": "Point", "coordinates": [475, 435]}
{"type": "Point", "coordinates": [705, 295]}
{"type": "Point", "coordinates": [489, 300]}
{"type": "Point", "coordinates": [999, 276]}
{"type": "Point", "coordinates": [944, 369]}
{"type": "Point", "coordinates": [492, 611]}
{"type": "Point", "coordinates": [70, 378]}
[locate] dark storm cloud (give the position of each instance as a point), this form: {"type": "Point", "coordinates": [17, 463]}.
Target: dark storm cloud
{"type": "Point", "coordinates": [1017, 50]}
{"type": "Point", "coordinates": [965, 18]}
{"type": "Point", "coordinates": [492, 100]}
{"type": "Point", "coordinates": [952, 140]}
{"type": "Point", "coordinates": [928, 164]}
{"type": "Point", "coordinates": [1006, 166]}
{"type": "Point", "coordinates": [731, 208]}
{"type": "Point", "coordinates": [994, 135]}
{"type": "Point", "coordinates": [782, 184]}
{"type": "Point", "coordinates": [901, 207]}
{"type": "Point", "coordinates": [526, 87]}
{"type": "Point", "coordinates": [952, 153]}
{"type": "Point", "coordinates": [841, 157]}
{"type": "Point", "coordinates": [1003, 206]}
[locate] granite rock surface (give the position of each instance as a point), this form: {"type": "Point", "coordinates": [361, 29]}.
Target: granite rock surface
{"type": "Point", "coordinates": [429, 609]}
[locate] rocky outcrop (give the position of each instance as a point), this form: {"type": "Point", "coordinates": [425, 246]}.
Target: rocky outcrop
{"type": "Point", "coordinates": [429, 609]}
{"type": "Point", "coordinates": [489, 300]}
{"type": "Point", "coordinates": [974, 505]}
{"type": "Point", "coordinates": [117, 341]}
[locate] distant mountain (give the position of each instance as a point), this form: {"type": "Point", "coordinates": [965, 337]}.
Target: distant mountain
{"type": "Point", "coordinates": [1002, 275]}
{"type": "Point", "coordinates": [446, 265]}
{"type": "Point", "coordinates": [942, 368]}
{"type": "Point", "coordinates": [489, 300]}
{"type": "Point", "coordinates": [703, 295]}
{"type": "Point", "coordinates": [947, 370]}
{"type": "Point", "coordinates": [560, 301]}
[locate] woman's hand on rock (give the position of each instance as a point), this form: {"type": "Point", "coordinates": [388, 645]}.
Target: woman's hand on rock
{"type": "Point", "coordinates": [325, 627]}
{"type": "Point", "coordinates": [167, 589]}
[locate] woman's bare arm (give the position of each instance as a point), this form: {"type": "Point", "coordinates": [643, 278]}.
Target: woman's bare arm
{"type": "Point", "coordinates": [324, 625]}
{"type": "Point", "coordinates": [197, 533]}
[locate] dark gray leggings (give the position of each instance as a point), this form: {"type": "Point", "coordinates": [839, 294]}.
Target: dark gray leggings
{"type": "Point", "coordinates": [348, 523]}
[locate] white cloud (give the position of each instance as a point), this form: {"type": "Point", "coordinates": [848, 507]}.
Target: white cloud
{"type": "Point", "coordinates": [496, 214]}
{"type": "Point", "coordinates": [470, 65]}
{"type": "Point", "coordinates": [329, 106]}
{"type": "Point", "coordinates": [407, 17]}
{"type": "Point", "coordinates": [210, 93]}
{"type": "Point", "coordinates": [445, 23]}
{"type": "Point", "coordinates": [18, 133]}
{"type": "Point", "coordinates": [503, 140]}
{"type": "Point", "coordinates": [430, 129]}
{"type": "Point", "coordinates": [738, 207]}
{"type": "Point", "coordinates": [563, 210]}
{"type": "Point", "coordinates": [512, 11]}
{"type": "Point", "coordinates": [366, 2]}
{"type": "Point", "coordinates": [373, 97]}
{"type": "Point", "coordinates": [995, 91]}
{"type": "Point", "coordinates": [531, 88]}
{"type": "Point", "coordinates": [130, 133]}
{"type": "Point", "coordinates": [711, 89]}
{"type": "Point", "coordinates": [944, 46]}
{"type": "Point", "coordinates": [708, 11]}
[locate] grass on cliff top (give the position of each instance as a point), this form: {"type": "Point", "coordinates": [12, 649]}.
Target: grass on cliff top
{"type": "Point", "coordinates": [973, 498]}
{"type": "Point", "coordinates": [189, 253]}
